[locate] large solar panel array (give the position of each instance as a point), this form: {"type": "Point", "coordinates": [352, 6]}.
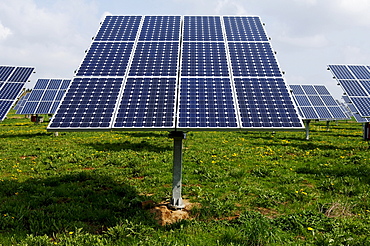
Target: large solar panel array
{"type": "Point", "coordinates": [12, 80]}
{"type": "Point", "coordinates": [178, 73]}
{"type": "Point", "coordinates": [45, 96]}
{"type": "Point", "coordinates": [355, 81]}
{"type": "Point", "coordinates": [316, 103]}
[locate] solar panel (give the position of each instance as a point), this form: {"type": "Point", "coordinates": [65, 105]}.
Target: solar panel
{"type": "Point", "coordinates": [316, 103]}
{"type": "Point", "coordinates": [12, 80]}
{"type": "Point", "coordinates": [355, 81]}
{"type": "Point", "coordinates": [178, 73]}
{"type": "Point", "coordinates": [45, 96]}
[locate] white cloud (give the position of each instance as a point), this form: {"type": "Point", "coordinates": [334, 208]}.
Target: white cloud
{"type": "Point", "coordinates": [4, 32]}
{"type": "Point", "coordinates": [314, 41]}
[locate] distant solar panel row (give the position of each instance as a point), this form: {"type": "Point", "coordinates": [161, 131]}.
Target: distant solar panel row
{"type": "Point", "coordinates": [45, 96]}
{"type": "Point", "coordinates": [354, 111]}
{"type": "Point", "coordinates": [178, 73]}
{"type": "Point", "coordinates": [12, 80]}
{"type": "Point", "coordinates": [315, 103]}
{"type": "Point", "coordinates": [355, 81]}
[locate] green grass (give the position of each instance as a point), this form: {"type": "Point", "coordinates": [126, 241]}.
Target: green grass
{"type": "Point", "coordinates": [254, 188]}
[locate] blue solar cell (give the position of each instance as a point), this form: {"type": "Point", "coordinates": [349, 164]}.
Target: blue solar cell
{"type": "Point", "coordinates": [323, 113]}
{"type": "Point", "coordinates": [36, 95]}
{"type": "Point", "coordinates": [41, 84]}
{"type": "Point", "coordinates": [244, 29]}
{"type": "Point", "coordinates": [321, 90]}
{"type": "Point", "coordinates": [43, 108]}
{"type": "Point", "coordinates": [155, 59]}
{"type": "Point", "coordinates": [271, 107]}
{"type": "Point", "coordinates": [309, 89]}
{"type": "Point", "coordinates": [106, 59]}
{"type": "Point", "coordinates": [202, 28]}
{"type": "Point", "coordinates": [119, 28]}
{"type": "Point", "coordinates": [5, 72]}
{"type": "Point", "coordinates": [205, 103]}
{"type": "Point", "coordinates": [29, 108]}
{"type": "Point", "coordinates": [363, 105]}
{"type": "Point", "coordinates": [65, 84]}
{"type": "Point", "coordinates": [329, 101]}
{"type": "Point", "coordinates": [11, 91]}
{"type": "Point", "coordinates": [337, 112]}
{"type": "Point", "coordinates": [309, 113]}
{"type": "Point", "coordinates": [366, 85]}
{"type": "Point", "coordinates": [54, 84]}
{"type": "Point", "coordinates": [89, 103]}
{"type": "Point", "coordinates": [253, 59]}
{"type": "Point", "coordinates": [302, 100]}
{"type": "Point", "coordinates": [297, 89]}
{"type": "Point", "coordinates": [204, 59]}
{"type": "Point", "coordinates": [161, 28]}
{"type": "Point", "coordinates": [352, 88]}
{"type": "Point", "coordinates": [360, 71]}
{"type": "Point", "coordinates": [147, 102]}
{"type": "Point", "coordinates": [5, 106]}
{"type": "Point", "coordinates": [21, 74]}
{"type": "Point", "coordinates": [341, 72]}
{"type": "Point", "coordinates": [316, 101]}
{"type": "Point", "coordinates": [49, 95]}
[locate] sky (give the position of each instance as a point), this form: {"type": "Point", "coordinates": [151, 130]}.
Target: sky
{"type": "Point", "coordinates": [308, 35]}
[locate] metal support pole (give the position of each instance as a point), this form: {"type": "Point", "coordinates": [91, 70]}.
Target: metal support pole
{"type": "Point", "coordinates": [307, 125]}
{"type": "Point", "coordinates": [327, 125]}
{"type": "Point", "coordinates": [176, 200]}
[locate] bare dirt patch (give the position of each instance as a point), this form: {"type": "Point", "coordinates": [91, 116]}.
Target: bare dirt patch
{"type": "Point", "coordinates": [165, 216]}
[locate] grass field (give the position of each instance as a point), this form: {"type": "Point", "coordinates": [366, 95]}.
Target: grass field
{"type": "Point", "coordinates": [253, 188]}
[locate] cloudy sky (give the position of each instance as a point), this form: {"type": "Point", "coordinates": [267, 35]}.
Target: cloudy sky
{"type": "Point", "coordinates": [52, 35]}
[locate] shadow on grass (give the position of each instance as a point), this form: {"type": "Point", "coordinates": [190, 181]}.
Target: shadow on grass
{"type": "Point", "coordinates": [31, 135]}
{"type": "Point", "coordinates": [143, 145]}
{"type": "Point", "coordinates": [63, 203]}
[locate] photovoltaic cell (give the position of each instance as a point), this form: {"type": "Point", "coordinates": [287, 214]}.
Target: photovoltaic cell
{"type": "Point", "coordinates": [106, 59]}
{"type": "Point", "coordinates": [253, 59]}
{"type": "Point", "coordinates": [119, 28]}
{"type": "Point", "coordinates": [354, 111]}
{"type": "Point", "coordinates": [178, 73]}
{"type": "Point", "coordinates": [265, 102]}
{"type": "Point", "coordinates": [206, 103]}
{"type": "Point", "coordinates": [147, 102]}
{"type": "Point", "coordinates": [161, 28]}
{"type": "Point", "coordinates": [88, 103]}
{"type": "Point", "coordinates": [316, 103]}
{"type": "Point", "coordinates": [204, 59]}
{"type": "Point", "coordinates": [355, 81]}
{"type": "Point", "coordinates": [5, 72]}
{"type": "Point", "coordinates": [244, 29]}
{"type": "Point", "coordinates": [155, 59]}
{"type": "Point", "coordinates": [202, 28]}
{"type": "Point", "coordinates": [22, 101]}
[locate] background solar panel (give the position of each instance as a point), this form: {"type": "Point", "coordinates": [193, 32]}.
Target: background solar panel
{"type": "Point", "coordinates": [11, 85]}
{"type": "Point", "coordinates": [355, 81]}
{"type": "Point", "coordinates": [354, 111]}
{"type": "Point", "coordinates": [316, 103]}
{"type": "Point", "coordinates": [45, 96]}
{"type": "Point", "coordinates": [178, 73]}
